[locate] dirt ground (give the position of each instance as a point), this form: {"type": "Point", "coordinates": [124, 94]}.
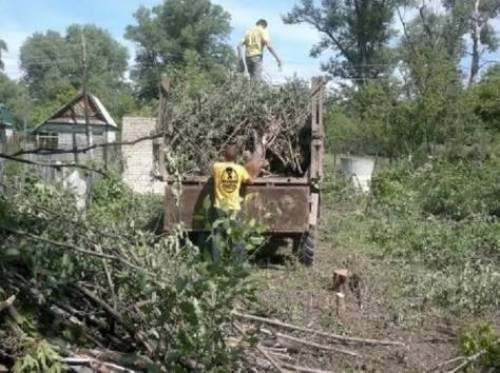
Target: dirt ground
{"type": "Point", "coordinates": [304, 296]}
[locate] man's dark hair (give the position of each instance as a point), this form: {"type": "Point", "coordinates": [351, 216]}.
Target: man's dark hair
{"type": "Point", "coordinates": [262, 22]}
{"type": "Point", "coordinates": [230, 153]}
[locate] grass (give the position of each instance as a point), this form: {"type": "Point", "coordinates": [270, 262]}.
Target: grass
{"type": "Point", "coordinates": [394, 294]}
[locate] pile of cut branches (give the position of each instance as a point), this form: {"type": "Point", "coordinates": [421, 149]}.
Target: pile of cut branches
{"type": "Point", "coordinates": [243, 112]}
{"type": "Point", "coordinates": [100, 289]}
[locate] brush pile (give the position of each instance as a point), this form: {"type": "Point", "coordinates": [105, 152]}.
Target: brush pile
{"type": "Point", "coordinates": [239, 111]}
{"type": "Point", "coordinates": [92, 289]}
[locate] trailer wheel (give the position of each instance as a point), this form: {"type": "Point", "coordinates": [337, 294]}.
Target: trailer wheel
{"type": "Point", "coordinates": [305, 246]}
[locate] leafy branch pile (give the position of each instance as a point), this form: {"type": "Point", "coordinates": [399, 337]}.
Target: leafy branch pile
{"type": "Point", "coordinates": [99, 288]}
{"type": "Point", "coordinates": [201, 124]}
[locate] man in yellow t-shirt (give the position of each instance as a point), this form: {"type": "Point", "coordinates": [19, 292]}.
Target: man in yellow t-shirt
{"type": "Point", "coordinates": [254, 42]}
{"type": "Point", "coordinates": [228, 177]}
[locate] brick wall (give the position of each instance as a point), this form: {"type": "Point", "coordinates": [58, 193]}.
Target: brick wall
{"type": "Point", "coordinates": [138, 158]}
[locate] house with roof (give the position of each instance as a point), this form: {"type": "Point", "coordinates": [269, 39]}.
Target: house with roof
{"type": "Point", "coordinates": [64, 133]}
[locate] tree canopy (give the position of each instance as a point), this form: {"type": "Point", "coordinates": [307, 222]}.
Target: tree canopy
{"type": "Point", "coordinates": [53, 68]}
{"type": "Point", "coordinates": [357, 31]}
{"type": "Point", "coordinates": [473, 17]}
{"type": "Point", "coordinates": [176, 34]}
{"type": "Point", "coordinates": [3, 47]}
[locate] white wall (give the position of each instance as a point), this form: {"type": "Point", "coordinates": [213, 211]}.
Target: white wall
{"type": "Point", "coordinates": [138, 158]}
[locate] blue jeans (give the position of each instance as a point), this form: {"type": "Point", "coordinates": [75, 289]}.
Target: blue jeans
{"type": "Point", "coordinates": [220, 239]}
{"type": "Point", "coordinates": [255, 67]}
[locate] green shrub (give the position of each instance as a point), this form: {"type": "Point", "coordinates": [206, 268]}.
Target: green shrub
{"type": "Point", "coordinates": [483, 342]}
{"type": "Point", "coordinates": [187, 301]}
{"type": "Point", "coordinates": [439, 219]}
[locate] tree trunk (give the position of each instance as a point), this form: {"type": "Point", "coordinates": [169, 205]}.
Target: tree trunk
{"type": "Point", "coordinates": [476, 41]}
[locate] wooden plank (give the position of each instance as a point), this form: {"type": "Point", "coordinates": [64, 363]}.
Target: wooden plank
{"type": "Point", "coordinates": [314, 210]}
{"type": "Point", "coordinates": [317, 146]}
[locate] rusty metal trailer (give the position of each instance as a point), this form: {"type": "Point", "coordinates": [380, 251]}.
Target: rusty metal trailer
{"type": "Point", "coordinates": [288, 206]}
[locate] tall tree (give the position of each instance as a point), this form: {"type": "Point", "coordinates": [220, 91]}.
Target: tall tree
{"type": "Point", "coordinates": [357, 30]}
{"type": "Point", "coordinates": [178, 33]}
{"type": "Point", "coordinates": [15, 97]}
{"type": "Point", "coordinates": [3, 47]}
{"type": "Point", "coordinates": [52, 65]}
{"type": "Point", "coordinates": [474, 18]}
{"type": "Point", "coordinates": [431, 49]}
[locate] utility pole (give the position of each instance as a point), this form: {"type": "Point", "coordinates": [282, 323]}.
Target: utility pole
{"type": "Point", "coordinates": [88, 131]}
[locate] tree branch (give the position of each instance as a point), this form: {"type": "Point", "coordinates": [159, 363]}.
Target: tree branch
{"type": "Point", "coordinates": [44, 151]}
{"type": "Point", "coordinates": [50, 165]}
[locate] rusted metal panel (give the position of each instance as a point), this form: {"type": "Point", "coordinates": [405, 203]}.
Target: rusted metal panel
{"type": "Point", "coordinates": [280, 208]}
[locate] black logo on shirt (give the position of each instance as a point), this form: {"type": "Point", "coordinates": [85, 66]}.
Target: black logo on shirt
{"type": "Point", "coordinates": [229, 180]}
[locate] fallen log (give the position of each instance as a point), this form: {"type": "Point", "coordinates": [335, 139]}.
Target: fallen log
{"type": "Point", "coordinates": [263, 352]}
{"type": "Point", "coordinates": [366, 341]}
{"type": "Point", "coordinates": [312, 344]}
{"type": "Point", "coordinates": [297, 368]}
{"type": "Point", "coordinates": [96, 365]}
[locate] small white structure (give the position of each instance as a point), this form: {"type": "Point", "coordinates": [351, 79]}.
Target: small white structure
{"type": "Point", "coordinates": [359, 169]}
{"type": "Point", "coordinates": [78, 186]}
{"type": "Point", "coordinates": [139, 169]}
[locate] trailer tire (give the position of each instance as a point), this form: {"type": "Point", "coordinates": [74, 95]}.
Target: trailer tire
{"type": "Point", "coordinates": [306, 247]}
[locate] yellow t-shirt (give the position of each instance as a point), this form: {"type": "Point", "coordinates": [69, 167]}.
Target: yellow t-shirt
{"type": "Point", "coordinates": [255, 40]}
{"type": "Point", "coordinates": [228, 177]}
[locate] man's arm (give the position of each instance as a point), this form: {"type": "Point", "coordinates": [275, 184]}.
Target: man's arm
{"type": "Point", "coordinates": [239, 49]}
{"type": "Point", "coordinates": [241, 60]}
{"type": "Point", "coordinates": [275, 55]}
{"type": "Point", "coordinates": [253, 168]}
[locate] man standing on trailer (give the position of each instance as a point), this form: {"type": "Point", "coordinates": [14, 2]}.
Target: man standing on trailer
{"type": "Point", "coordinates": [254, 42]}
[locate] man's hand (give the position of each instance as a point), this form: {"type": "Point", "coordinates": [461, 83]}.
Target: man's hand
{"type": "Point", "coordinates": [275, 55]}
{"type": "Point", "coordinates": [254, 167]}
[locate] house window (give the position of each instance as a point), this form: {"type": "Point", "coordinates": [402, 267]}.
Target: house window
{"type": "Point", "coordinates": [48, 141]}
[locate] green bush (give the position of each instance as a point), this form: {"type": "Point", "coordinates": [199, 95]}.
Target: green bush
{"type": "Point", "coordinates": [47, 244]}
{"type": "Point", "coordinates": [483, 342]}
{"type": "Point", "coordinates": [440, 220]}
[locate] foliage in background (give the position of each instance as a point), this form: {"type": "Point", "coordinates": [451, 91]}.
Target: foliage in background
{"type": "Point", "coordinates": [473, 19]}
{"type": "Point", "coordinates": [15, 97]}
{"type": "Point", "coordinates": [357, 31]}
{"type": "Point", "coordinates": [425, 112]}
{"type": "Point", "coordinates": [441, 219]}
{"type": "Point", "coordinates": [3, 48]}
{"type": "Point", "coordinates": [487, 94]}
{"type": "Point", "coordinates": [176, 35]}
{"type": "Point", "coordinates": [53, 69]}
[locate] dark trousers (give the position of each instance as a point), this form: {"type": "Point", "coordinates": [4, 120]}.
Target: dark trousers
{"type": "Point", "coordinates": [255, 67]}
{"type": "Point", "coordinates": [222, 242]}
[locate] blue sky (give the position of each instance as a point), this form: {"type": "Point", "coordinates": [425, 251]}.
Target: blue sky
{"type": "Point", "coordinates": [21, 18]}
